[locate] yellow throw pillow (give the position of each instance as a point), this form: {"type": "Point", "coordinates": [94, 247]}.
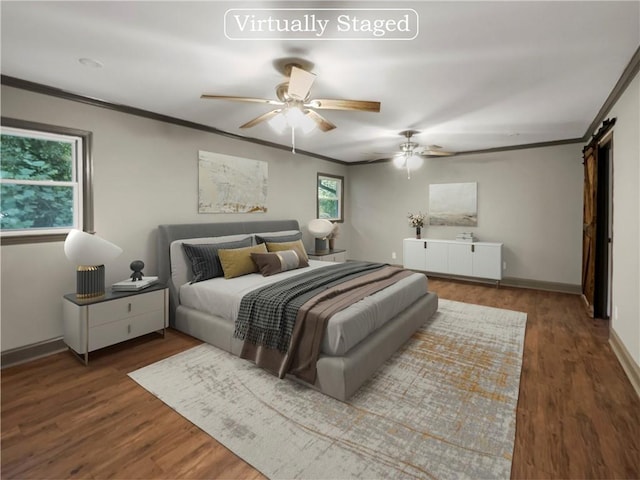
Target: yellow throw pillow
{"type": "Point", "coordinates": [298, 246]}
{"type": "Point", "coordinates": [237, 261]}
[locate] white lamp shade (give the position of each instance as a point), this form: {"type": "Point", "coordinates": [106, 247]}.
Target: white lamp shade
{"type": "Point", "coordinates": [83, 248]}
{"type": "Point", "coordinates": [399, 161]}
{"type": "Point", "coordinates": [320, 227]}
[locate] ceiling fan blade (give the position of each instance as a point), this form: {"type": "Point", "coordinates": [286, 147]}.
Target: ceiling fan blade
{"type": "Point", "coordinates": [323, 124]}
{"type": "Point", "coordinates": [362, 105]}
{"type": "Point", "coordinates": [261, 118]}
{"type": "Point", "coordinates": [300, 83]}
{"type": "Point", "coordinates": [436, 153]}
{"type": "Point", "coordinates": [241, 99]}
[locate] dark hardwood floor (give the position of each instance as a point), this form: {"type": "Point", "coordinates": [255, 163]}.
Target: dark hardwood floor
{"type": "Point", "coordinates": [578, 416]}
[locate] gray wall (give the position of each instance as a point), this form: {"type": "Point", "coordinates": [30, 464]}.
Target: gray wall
{"type": "Point", "coordinates": [145, 174]}
{"type": "Point", "coordinates": [626, 220]}
{"type": "Point", "coordinates": [530, 200]}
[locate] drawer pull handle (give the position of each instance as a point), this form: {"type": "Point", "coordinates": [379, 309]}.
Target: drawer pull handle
{"type": "Point", "coordinates": [129, 308]}
{"type": "Point", "coordinates": [128, 328]}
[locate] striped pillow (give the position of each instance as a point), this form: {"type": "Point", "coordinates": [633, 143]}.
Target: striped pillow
{"type": "Point", "coordinates": [277, 262]}
{"type": "Point", "coordinates": [204, 258]}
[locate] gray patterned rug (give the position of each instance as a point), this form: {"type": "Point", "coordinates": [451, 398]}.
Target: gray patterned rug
{"type": "Point", "coordinates": [442, 407]}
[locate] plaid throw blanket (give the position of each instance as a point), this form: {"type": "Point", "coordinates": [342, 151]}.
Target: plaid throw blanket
{"type": "Point", "coordinates": [267, 315]}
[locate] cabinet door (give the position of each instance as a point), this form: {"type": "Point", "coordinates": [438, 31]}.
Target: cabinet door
{"type": "Point", "coordinates": [436, 254]}
{"type": "Point", "coordinates": [460, 259]}
{"type": "Point", "coordinates": [487, 261]}
{"type": "Point", "coordinates": [413, 254]}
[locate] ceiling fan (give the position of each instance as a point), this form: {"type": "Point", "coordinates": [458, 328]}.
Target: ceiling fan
{"type": "Point", "coordinates": [295, 108]}
{"type": "Point", "coordinates": [411, 154]}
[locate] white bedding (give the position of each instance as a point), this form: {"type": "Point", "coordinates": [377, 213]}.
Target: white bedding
{"type": "Point", "coordinates": [221, 297]}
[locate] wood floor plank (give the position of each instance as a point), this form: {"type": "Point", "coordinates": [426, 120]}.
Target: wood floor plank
{"type": "Point", "coordinates": [577, 416]}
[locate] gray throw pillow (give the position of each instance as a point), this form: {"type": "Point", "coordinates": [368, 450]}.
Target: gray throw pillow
{"type": "Point", "coordinates": [205, 262]}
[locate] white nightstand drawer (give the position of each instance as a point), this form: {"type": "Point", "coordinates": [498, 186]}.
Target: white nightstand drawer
{"type": "Point", "coordinates": [116, 317]}
{"type": "Point", "coordinates": [121, 330]}
{"type": "Point", "coordinates": [123, 308]}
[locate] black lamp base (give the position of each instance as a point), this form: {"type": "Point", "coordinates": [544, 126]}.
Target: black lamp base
{"type": "Point", "coordinates": [90, 281]}
{"type": "Point", "coordinates": [322, 246]}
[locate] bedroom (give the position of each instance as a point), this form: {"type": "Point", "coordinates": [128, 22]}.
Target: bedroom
{"type": "Point", "coordinates": [142, 162]}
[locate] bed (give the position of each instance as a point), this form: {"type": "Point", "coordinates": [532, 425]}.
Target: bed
{"type": "Point", "coordinates": [349, 354]}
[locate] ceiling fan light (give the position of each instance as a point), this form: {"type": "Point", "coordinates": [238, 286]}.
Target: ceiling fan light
{"type": "Point", "coordinates": [414, 162]}
{"type": "Point", "coordinates": [399, 161]}
{"type": "Point", "coordinates": [307, 124]}
{"type": "Point", "coordinates": [294, 117]}
{"type": "Point", "coordinates": [278, 122]}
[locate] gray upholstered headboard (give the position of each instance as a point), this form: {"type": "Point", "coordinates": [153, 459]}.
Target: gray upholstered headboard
{"type": "Point", "coordinates": [170, 233]}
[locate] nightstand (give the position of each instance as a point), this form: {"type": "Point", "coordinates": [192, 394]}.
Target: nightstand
{"type": "Point", "coordinates": [336, 255]}
{"type": "Point", "coordinates": [94, 323]}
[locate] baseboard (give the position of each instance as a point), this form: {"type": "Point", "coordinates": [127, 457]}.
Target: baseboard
{"type": "Point", "coordinates": [31, 352]}
{"type": "Point", "coordinates": [629, 366]}
{"type": "Point", "coordinates": [517, 282]}
{"type": "Point", "coordinates": [541, 285]}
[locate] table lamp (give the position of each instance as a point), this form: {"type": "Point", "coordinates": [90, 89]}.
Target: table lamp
{"type": "Point", "coordinates": [320, 229]}
{"type": "Point", "coordinates": [89, 253]}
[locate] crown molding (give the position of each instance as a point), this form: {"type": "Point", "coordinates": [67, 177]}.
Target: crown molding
{"type": "Point", "coordinates": [96, 102]}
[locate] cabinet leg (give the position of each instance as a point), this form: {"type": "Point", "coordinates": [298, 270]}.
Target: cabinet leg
{"type": "Point", "coordinates": [82, 358]}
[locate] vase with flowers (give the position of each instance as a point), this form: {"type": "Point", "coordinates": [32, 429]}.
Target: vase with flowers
{"type": "Point", "coordinates": [416, 220]}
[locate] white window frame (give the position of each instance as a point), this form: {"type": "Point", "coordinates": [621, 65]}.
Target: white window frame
{"type": "Point", "coordinates": [80, 180]}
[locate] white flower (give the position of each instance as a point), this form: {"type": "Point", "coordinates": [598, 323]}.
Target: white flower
{"type": "Point", "coordinates": [416, 219]}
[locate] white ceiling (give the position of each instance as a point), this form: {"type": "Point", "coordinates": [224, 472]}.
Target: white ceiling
{"type": "Point", "coordinates": [480, 74]}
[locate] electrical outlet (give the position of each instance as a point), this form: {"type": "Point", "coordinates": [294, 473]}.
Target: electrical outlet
{"type": "Point", "coordinates": [393, 255]}
{"type": "Point", "coordinates": [615, 312]}
{"type": "Point", "coordinates": [504, 265]}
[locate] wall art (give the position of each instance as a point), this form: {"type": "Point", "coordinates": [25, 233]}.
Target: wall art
{"type": "Point", "coordinates": [228, 184]}
{"type": "Point", "coordinates": [453, 204]}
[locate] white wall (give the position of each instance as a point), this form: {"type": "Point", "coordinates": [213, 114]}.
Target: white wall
{"type": "Point", "coordinates": [626, 218]}
{"type": "Point", "coordinates": [145, 174]}
{"type": "Point", "coordinates": [530, 199]}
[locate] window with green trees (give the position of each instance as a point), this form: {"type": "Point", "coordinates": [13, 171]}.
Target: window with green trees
{"type": "Point", "coordinates": [41, 181]}
{"type": "Point", "coordinates": [330, 197]}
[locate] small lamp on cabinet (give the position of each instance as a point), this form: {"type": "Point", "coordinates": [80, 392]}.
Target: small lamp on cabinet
{"type": "Point", "coordinates": [320, 229]}
{"type": "Point", "coordinates": [89, 253]}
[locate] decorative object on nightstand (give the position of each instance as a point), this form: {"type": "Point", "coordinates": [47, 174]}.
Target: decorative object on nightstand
{"type": "Point", "coordinates": [320, 229]}
{"type": "Point", "coordinates": [416, 220]}
{"type": "Point", "coordinates": [333, 235]}
{"type": "Point", "coordinates": [136, 266]}
{"type": "Point", "coordinates": [89, 253]}
{"type": "Point", "coordinates": [94, 323]}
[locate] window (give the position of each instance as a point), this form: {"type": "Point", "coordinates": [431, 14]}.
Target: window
{"type": "Point", "coordinates": [330, 197]}
{"type": "Point", "coordinates": [44, 182]}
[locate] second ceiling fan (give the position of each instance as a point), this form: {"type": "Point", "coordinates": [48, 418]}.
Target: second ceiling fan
{"type": "Point", "coordinates": [295, 108]}
{"type": "Point", "coordinates": [411, 154]}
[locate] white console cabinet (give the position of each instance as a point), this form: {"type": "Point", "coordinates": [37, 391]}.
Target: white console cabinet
{"type": "Point", "coordinates": [451, 257]}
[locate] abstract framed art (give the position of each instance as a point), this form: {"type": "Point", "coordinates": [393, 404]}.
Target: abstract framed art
{"type": "Point", "coordinates": [453, 204]}
{"type": "Point", "coordinates": [228, 184]}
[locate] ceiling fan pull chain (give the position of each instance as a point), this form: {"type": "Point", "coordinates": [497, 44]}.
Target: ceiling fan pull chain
{"type": "Point", "coordinates": [293, 140]}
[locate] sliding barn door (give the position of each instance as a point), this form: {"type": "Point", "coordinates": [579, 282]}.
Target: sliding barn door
{"type": "Point", "coordinates": [596, 230]}
{"type": "Point", "coordinates": [589, 224]}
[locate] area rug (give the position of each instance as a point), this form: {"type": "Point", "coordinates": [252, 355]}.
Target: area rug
{"type": "Point", "coordinates": [442, 407]}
